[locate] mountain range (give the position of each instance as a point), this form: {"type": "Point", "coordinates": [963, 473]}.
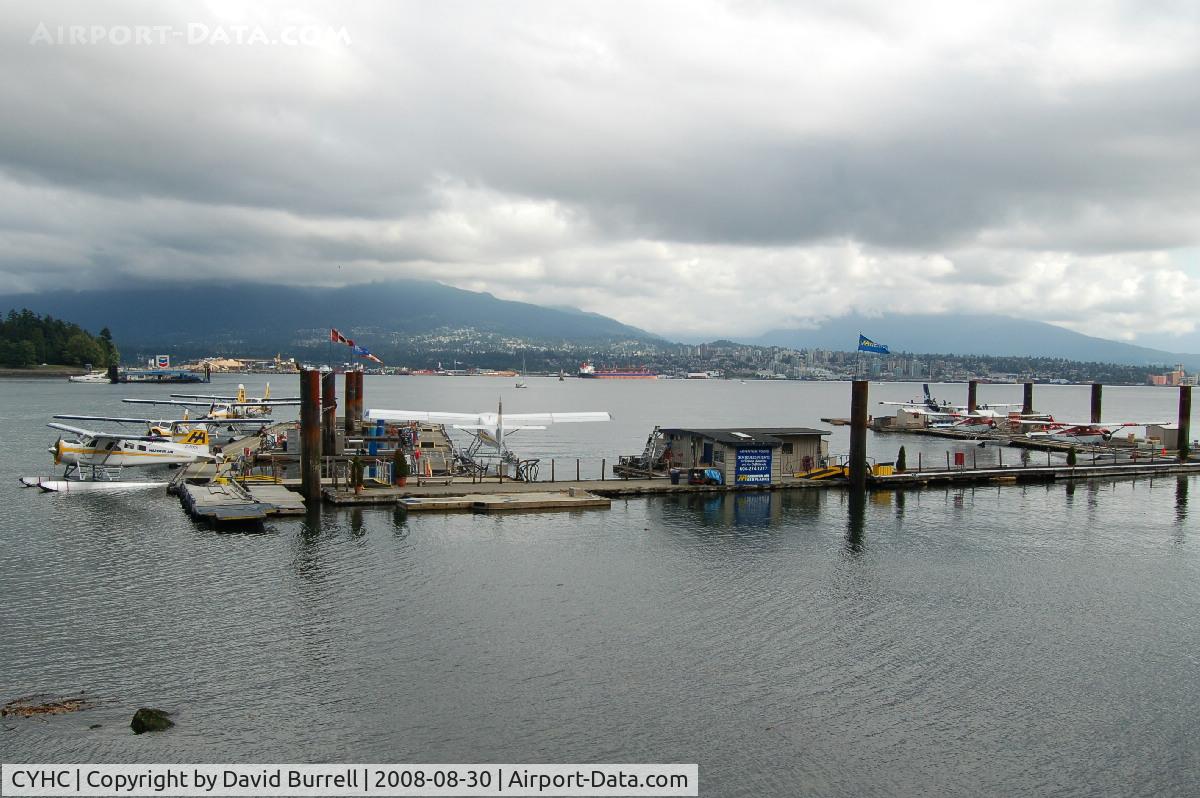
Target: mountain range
{"type": "Point", "coordinates": [962, 334]}
{"type": "Point", "coordinates": [258, 319]}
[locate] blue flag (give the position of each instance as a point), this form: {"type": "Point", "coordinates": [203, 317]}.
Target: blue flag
{"type": "Point", "coordinates": [865, 344]}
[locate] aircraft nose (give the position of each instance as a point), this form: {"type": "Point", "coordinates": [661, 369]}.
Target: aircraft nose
{"type": "Point", "coordinates": [56, 450]}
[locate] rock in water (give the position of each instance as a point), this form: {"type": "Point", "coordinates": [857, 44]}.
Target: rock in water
{"type": "Point", "coordinates": [148, 719]}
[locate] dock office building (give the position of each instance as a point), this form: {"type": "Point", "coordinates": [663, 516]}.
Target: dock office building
{"type": "Point", "coordinates": [749, 455]}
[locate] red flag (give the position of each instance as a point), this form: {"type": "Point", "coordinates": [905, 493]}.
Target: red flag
{"type": "Point", "coordinates": [336, 337]}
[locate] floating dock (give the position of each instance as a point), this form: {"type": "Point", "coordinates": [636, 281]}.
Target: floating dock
{"type": "Point", "coordinates": [1026, 474]}
{"type": "Point", "coordinates": [222, 502]}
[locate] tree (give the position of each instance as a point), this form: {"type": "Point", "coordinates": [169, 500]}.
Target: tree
{"type": "Point", "coordinates": [17, 354]}
{"type": "Point", "coordinates": [110, 356]}
{"type": "Point", "coordinates": [901, 461]}
{"type": "Point", "coordinates": [81, 349]}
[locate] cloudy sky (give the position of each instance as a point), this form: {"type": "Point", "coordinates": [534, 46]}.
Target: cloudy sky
{"type": "Point", "coordinates": [694, 168]}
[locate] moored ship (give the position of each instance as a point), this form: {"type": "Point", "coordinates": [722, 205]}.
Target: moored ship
{"type": "Point", "coordinates": [587, 370]}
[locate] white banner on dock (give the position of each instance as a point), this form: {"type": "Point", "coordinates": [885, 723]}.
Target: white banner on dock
{"type": "Point", "coordinates": [350, 780]}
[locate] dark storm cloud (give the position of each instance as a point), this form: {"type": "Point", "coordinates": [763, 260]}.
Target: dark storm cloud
{"type": "Point", "coordinates": [523, 147]}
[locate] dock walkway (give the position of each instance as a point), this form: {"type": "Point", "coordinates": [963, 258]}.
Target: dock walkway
{"type": "Point", "coordinates": [1053, 473]}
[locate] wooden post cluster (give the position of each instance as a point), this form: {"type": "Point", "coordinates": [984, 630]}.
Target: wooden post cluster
{"type": "Point", "coordinates": [972, 395]}
{"type": "Point", "coordinates": [1027, 402]}
{"type": "Point", "coordinates": [1097, 394]}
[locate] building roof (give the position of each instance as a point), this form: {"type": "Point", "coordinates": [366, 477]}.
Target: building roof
{"type": "Point", "coordinates": [749, 436]}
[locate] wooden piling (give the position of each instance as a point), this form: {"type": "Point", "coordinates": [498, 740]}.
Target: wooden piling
{"type": "Point", "coordinates": [858, 435]}
{"type": "Point", "coordinates": [1185, 422]}
{"type": "Point", "coordinates": [359, 395]}
{"type": "Point", "coordinates": [310, 434]}
{"type": "Point", "coordinates": [351, 398]}
{"type": "Point", "coordinates": [972, 396]}
{"type": "Point", "coordinates": [329, 413]}
{"type": "Point", "coordinates": [1097, 394]}
{"type": "Point", "coordinates": [1027, 401]}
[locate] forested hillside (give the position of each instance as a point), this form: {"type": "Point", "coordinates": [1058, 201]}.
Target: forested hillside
{"type": "Point", "coordinates": [27, 339]}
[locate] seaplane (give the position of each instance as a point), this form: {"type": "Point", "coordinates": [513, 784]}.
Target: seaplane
{"type": "Point", "coordinates": [927, 403]}
{"type": "Point", "coordinates": [1087, 432]}
{"type": "Point", "coordinates": [955, 417]}
{"type": "Point", "coordinates": [487, 428]}
{"type": "Point", "coordinates": [94, 460]}
{"type": "Point", "coordinates": [224, 408]}
{"type": "Point", "coordinates": [253, 405]}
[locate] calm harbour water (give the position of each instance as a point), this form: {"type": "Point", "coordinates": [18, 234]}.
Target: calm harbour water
{"type": "Point", "coordinates": [993, 641]}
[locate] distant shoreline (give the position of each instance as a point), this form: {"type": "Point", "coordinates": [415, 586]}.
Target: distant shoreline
{"type": "Point", "coordinates": [42, 372]}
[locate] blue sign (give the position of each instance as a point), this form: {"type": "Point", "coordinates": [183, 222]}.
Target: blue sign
{"type": "Point", "coordinates": [753, 466]}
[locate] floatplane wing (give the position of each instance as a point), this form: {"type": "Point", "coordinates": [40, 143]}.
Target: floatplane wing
{"type": "Point", "coordinates": [168, 422]}
{"type": "Point", "coordinates": [556, 418]}
{"type": "Point", "coordinates": [102, 436]}
{"type": "Point", "coordinates": [174, 402]}
{"type": "Point", "coordinates": [219, 403]}
{"type": "Point", "coordinates": [235, 400]}
{"type": "Point", "coordinates": [235, 403]}
{"type": "Point", "coordinates": [241, 398]}
{"type": "Point", "coordinates": [488, 420]}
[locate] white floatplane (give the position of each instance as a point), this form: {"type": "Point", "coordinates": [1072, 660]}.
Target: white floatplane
{"type": "Point", "coordinates": [263, 403]}
{"type": "Point", "coordinates": [951, 418]}
{"type": "Point", "coordinates": [491, 429]}
{"type": "Point", "coordinates": [225, 407]}
{"type": "Point", "coordinates": [1086, 432]}
{"type": "Point", "coordinates": [926, 403]}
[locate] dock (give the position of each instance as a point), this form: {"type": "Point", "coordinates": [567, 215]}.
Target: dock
{"type": "Point", "coordinates": [1028, 474]}
{"type": "Point", "coordinates": [531, 501]}
{"type": "Point", "coordinates": [222, 502]}
{"type": "Point", "coordinates": [258, 480]}
{"type": "Point", "coordinates": [227, 500]}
